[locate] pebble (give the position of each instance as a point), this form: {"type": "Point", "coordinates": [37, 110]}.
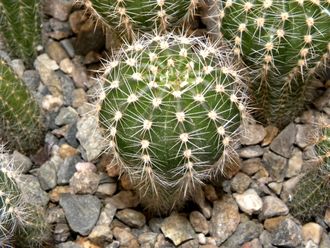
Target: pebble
{"type": "Point", "coordinates": [147, 239]}
{"type": "Point", "coordinates": [199, 222]}
{"type": "Point", "coordinates": [240, 182]}
{"type": "Point", "coordinates": [276, 187]}
{"type": "Point", "coordinates": [21, 162]}
{"type": "Point", "coordinates": [67, 169]}
{"type": "Point", "coordinates": [272, 224]}
{"type": "Point", "coordinates": [84, 182]}
{"type": "Point", "coordinates": [55, 51]}
{"type": "Point", "coordinates": [107, 214]}
{"type": "Point", "coordinates": [79, 75]}
{"type": "Point", "coordinates": [32, 79]}
{"type": "Point", "coordinates": [124, 199]}
{"type": "Point", "coordinates": [54, 194]}
{"type": "Point", "coordinates": [327, 217]}
{"type": "Point", "coordinates": [271, 133]}
{"type": "Point", "coordinates": [78, 98]}
{"type": "Point", "coordinates": [312, 231]}
{"type": "Point", "coordinates": [294, 164]}
{"type": "Point", "coordinates": [57, 29]}
{"type": "Point", "coordinates": [283, 143]}
{"type": "Point", "coordinates": [67, 45]}
{"type": "Point", "coordinates": [131, 217]}
{"type": "Point", "coordinates": [18, 67]}
{"type": "Point", "coordinates": [251, 166]}
{"type": "Point", "coordinates": [67, 115]}
{"type": "Point", "coordinates": [66, 151]}
{"type": "Point", "coordinates": [81, 211]}
{"type": "Point", "coordinates": [51, 103]}
{"type": "Point", "coordinates": [101, 234]}
{"type": "Point", "coordinates": [252, 134]}
{"type": "Point", "coordinates": [225, 219]}
{"type": "Point", "coordinates": [61, 232]}
{"type": "Point", "coordinates": [245, 232]}
{"type": "Point", "coordinates": [90, 137]}
{"type": "Point", "coordinates": [288, 234]}
{"type": "Point", "coordinates": [249, 201]}
{"type": "Point", "coordinates": [69, 244]}
{"type": "Point", "coordinates": [59, 9]}
{"type": "Point", "coordinates": [254, 243]}
{"type": "Point", "coordinates": [177, 228]}
{"type": "Point", "coordinates": [276, 165]}
{"type": "Point", "coordinates": [67, 87]}
{"type": "Point", "coordinates": [55, 215]}
{"type": "Point", "coordinates": [273, 206]}
{"type": "Point", "coordinates": [47, 175]}
{"type": "Point", "coordinates": [306, 135]}
{"type": "Point", "coordinates": [125, 238]}
{"type": "Point", "coordinates": [251, 152]}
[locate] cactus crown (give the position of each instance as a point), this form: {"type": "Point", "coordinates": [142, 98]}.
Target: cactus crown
{"type": "Point", "coordinates": [20, 123]}
{"type": "Point", "coordinates": [171, 107]}
{"type": "Point", "coordinates": [20, 25]}
{"type": "Point", "coordinates": [130, 17]}
{"type": "Point", "coordinates": [283, 42]}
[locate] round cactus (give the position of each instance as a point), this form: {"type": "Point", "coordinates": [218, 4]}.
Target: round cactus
{"type": "Point", "coordinates": [129, 17]}
{"type": "Point", "coordinates": [284, 42]}
{"type": "Point", "coordinates": [171, 107]}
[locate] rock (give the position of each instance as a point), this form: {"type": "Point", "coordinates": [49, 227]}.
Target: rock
{"type": "Point", "coordinates": [67, 45]}
{"type": "Point", "coordinates": [69, 244]}
{"type": "Point", "coordinates": [67, 87]}
{"type": "Point", "coordinates": [154, 224]}
{"type": "Point", "coordinates": [106, 189]}
{"type": "Point", "coordinates": [47, 62]}
{"type": "Point", "coordinates": [265, 239]}
{"type": "Point", "coordinates": [246, 231]}
{"type": "Point", "coordinates": [57, 29]}
{"type": "Point", "coordinates": [81, 211]}
{"type": "Point", "coordinates": [47, 175]}
{"type": "Point", "coordinates": [77, 19]}
{"type": "Point", "coordinates": [78, 98]}
{"type": "Point", "coordinates": [271, 132]}
{"type": "Point", "coordinates": [251, 152]}
{"type": "Point", "coordinates": [125, 237]}
{"type": "Point", "coordinates": [66, 66]}
{"type": "Point", "coordinates": [240, 182]}
{"type": "Point", "coordinates": [276, 165]}
{"type": "Point", "coordinates": [51, 103]}
{"type": "Point", "coordinates": [67, 151]}
{"type": "Point", "coordinates": [201, 238]}
{"type": "Point", "coordinates": [249, 201]}
{"type": "Point", "coordinates": [85, 167]}
{"type": "Point", "coordinates": [327, 217]}
{"type": "Point", "coordinates": [59, 9]}
{"type": "Point", "coordinates": [67, 169]}
{"type": "Point", "coordinates": [289, 187]}
{"type": "Point", "coordinates": [21, 162]}
{"type": "Point", "coordinates": [101, 234]}
{"type": "Point", "coordinates": [189, 244]}
{"type": "Point", "coordinates": [67, 115]}
{"type": "Point", "coordinates": [272, 206]}
{"type": "Point", "coordinates": [32, 79]}
{"type": "Point", "coordinates": [251, 166]}
{"type": "Point", "coordinates": [90, 137]}
{"type": "Point", "coordinates": [54, 195]}
{"type": "Point", "coordinates": [55, 215]}
{"type": "Point", "coordinates": [79, 75]}
{"type": "Point", "coordinates": [252, 134]}
{"type": "Point", "coordinates": [124, 199]}
{"type": "Point", "coordinates": [294, 164]}
{"type": "Point", "coordinates": [312, 231]}
{"type": "Point", "coordinates": [178, 229]}
{"type": "Point", "coordinates": [18, 67]}
{"type": "Point", "coordinates": [276, 187]}
{"type": "Point", "coordinates": [30, 187]}
{"type": "Point", "coordinates": [272, 224]}
{"type": "Point", "coordinates": [325, 241]}
{"type": "Point", "coordinates": [56, 51]}
{"type": "Point", "coordinates": [210, 193]}
{"type": "Point", "coordinates": [204, 206]}
{"type": "Point", "coordinates": [254, 243]}
{"type": "Point", "coordinates": [287, 234]}
{"type": "Point", "coordinates": [225, 219]}
{"type": "Point", "coordinates": [61, 232]}
{"type": "Point", "coordinates": [131, 217]}
{"type": "Point", "coordinates": [307, 135]}
{"type": "Point", "coordinates": [148, 238]}
{"type": "Point", "coordinates": [283, 143]}
{"type": "Point", "coordinates": [199, 222]}
{"type": "Point", "coordinates": [85, 182]}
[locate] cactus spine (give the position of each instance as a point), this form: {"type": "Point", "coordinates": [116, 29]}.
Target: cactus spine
{"type": "Point", "coordinates": [20, 25]}
{"type": "Point", "coordinates": [129, 17]}
{"type": "Point", "coordinates": [171, 108]}
{"type": "Point", "coordinates": [312, 194]}
{"type": "Point", "coordinates": [20, 123]}
{"type": "Point", "coordinates": [283, 42]}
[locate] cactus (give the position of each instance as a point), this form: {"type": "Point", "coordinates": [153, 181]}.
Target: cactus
{"type": "Point", "coordinates": [312, 195]}
{"type": "Point", "coordinates": [171, 107]}
{"type": "Point", "coordinates": [20, 26]}
{"type": "Point", "coordinates": [129, 17]}
{"type": "Point", "coordinates": [20, 120]}
{"type": "Point", "coordinates": [283, 42]}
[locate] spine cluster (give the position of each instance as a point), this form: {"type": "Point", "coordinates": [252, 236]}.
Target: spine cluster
{"type": "Point", "coordinates": [283, 42]}
{"type": "Point", "coordinates": [171, 107]}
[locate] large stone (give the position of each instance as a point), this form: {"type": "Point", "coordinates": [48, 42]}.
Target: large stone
{"type": "Point", "coordinates": [252, 134]}
{"type": "Point", "coordinates": [251, 151]}
{"type": "Point", "coordinates": [131, 218]}
{"type": "Point", "coordinates": [283, 143]}
{"type": "Point", "coordinates": [288, 234]}
{"type": "Point", "coordinates": [47, 175]}
{"type": "Point", "coordinates": [273, 206]}
{"type": "Point", "coordinates": [294, 164]}
{"type": "Point", "coordinates": [225, 219]}
{"type": "Point", "coordinates": [21, 162]}
{"type": "Point", "coordinates": [124, 199]}
{"type": "Point", "coordinates": [312, 231]}
{"type": "Point", "coordinates": [81, 211]}
{"type": "Point", "coordinates": [275, 165]}
{"type": "Point", "coordinates": [178, 229]}
{"type": "Point", "coordinates": [249, 201]}
{"type": "Point", "coordinates": [31, 189]}
{"type": "Point", "coordinates": [240, 182]}
{"type": "Point", "coordinates": [90, 137]}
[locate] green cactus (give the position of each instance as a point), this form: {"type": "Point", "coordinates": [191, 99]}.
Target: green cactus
{"type": "Point", "coordinates": [20, 26]}
{"type": "Point", "coordinates": [312, 195]}
{"type": "Point", "coordinates": [171, 108]}
{"type": "Point", "coordinates": [20, 120]}
{"type": "Point", "coordinates": [283, 42]}
{"type": "Point", "coordinates": [129, 17]}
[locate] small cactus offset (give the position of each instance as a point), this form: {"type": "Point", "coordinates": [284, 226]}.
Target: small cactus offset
{"type": "Point", "coordinates": [284, 43]}
{"type": "Point", "coordinates": [129, 17]}
{"type": "Point", "coordinates": [20, 26]}
{"type": "Point", "coordinates": [171, 107]}
{"type": "Point", "coordinates": [312, 194]}
{"type": "Point", "coordinates": [20, 120]}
